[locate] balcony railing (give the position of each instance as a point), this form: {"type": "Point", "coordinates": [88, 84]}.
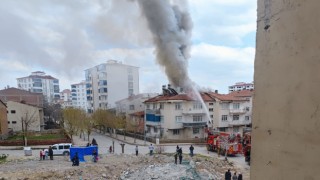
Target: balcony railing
{"type": "Point", "coordinates": [193, 111]}
{"type": "Point", "coordinates": [153, 111]}
{"type": "Point", "coordinates": [238, 111]}
{"type": "Point", "coordinates": [194, 124]}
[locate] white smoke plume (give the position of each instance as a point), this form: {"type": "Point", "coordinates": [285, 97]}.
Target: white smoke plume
{"type": "Point", "coordinates": [170, 25]}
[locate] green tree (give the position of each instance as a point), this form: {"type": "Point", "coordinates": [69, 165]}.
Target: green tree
{"type": "Point", "coordinates": [73, 119]}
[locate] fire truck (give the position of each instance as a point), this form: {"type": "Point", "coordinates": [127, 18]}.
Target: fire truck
{"type": "Point", "coordinates": [224, 142]}
{"type": "Point", "coordinates": [247, 146]}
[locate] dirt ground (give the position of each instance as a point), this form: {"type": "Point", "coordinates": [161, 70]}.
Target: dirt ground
{"type": "Point", "coordinates": [118, 167]}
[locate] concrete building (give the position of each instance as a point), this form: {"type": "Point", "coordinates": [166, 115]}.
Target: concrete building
{"type": "Point", "coordinates": [18, 112]}
{"type": "Point", "coordinates": [18, 95]}
{"type": "Point", "coordinates": [241, 86]}
{"type": "Point", "coordinates": [177, 116]}
{"type": "Point", "coordinates": [78, 94]}
{"type": "Point", "coordinates": [3, 121]}
{"type": "Point", "coordinates": [109, 82]}
{"type": "Point", "coordinates": [65, 98]}
{"type": "Point", "coordinates": [39, 82]}
{"type": "Point", "coordinates": [286, 116]}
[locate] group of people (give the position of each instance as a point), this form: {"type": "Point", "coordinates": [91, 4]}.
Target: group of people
{"type": "Point", "coordinates": [178, 154]}
{"type": "Point", "coordinates": [229, 176]}
{"type": "Point", "coordinates": [45, 153]}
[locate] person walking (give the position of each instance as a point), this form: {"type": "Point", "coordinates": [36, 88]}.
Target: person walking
{"type": "Point", "coordinates": [180, 155]}
{"type": "Point", "coordinates": [151, 148]}
{"type": "Point", "coordinates": [95, 156]}
{"type": "Point", "coordinates": [50, 153]}
{"type": "Point", "coordinates": [191, 150]}
{"type": "Point", "coordinates": [235, 177]}
{"type": "Point", "coordinates": [240, 176]}
{"type": "Point", "coordinates": [227, 175]}
{"type": "Point", "coordinates": [110, 149]}
{"type": "Point", "coordinates": [137, 150]}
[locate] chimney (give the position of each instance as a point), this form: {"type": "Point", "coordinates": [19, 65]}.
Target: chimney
{"type": "Point", "coordinates": [216, 91]}
{"type": "Point", "coordinates": [164, 91]}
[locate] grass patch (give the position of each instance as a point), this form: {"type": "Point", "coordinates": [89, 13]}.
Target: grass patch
{"type": "Point", "coordinates": [38, 137]}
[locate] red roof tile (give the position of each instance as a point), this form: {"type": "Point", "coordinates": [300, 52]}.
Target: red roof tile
{"type": "Point", "coordinates": [19, 95]}
{"type": "Point", "coordinates": [183, 97]}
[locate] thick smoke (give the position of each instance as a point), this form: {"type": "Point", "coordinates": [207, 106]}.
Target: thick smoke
{"type": "Point", "coordinates": [170, 25]}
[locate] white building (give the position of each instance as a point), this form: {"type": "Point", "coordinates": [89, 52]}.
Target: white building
{"type": "Point", "coordinates": [109, 82]}
{"type": "Point", "coordinates": [241, 86]}
{"type": "Point", "coordinates": [65, 98]}
{"type": "Point", "coordinates": [78, 94]}
{"type": "Point", "coordinates": [39, 82]}
{"type": "Point", "coordinates": [29, 113]}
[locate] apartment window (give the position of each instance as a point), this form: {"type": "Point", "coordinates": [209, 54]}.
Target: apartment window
{"type": "Point", "coordinates": [8, 122]}
{"type": "Point", "coordinates": [14, 122]}
{"type": "Point", "coordinates": [197, 118]}
{"type": "Point", "coordinates": [161, 119]}
{"type": "Point", "coordinates": [235, 117]}
{"type": "Point", "coordinates": [210, 104]}
{"type": "Point", "coordinates": [13, 111]}
{"type": "Point", "coordinates": [130, 92]}
{"type": "Point", "coordinates": [148, 106]}
{"type": "Point", "coordinates": [224, 117]}
{"type": "Point", "coordinates": [210, 109]}
{"type": "Point", "coordinates": [178, 119]}
{"type": "Point", "coordinates": [247, 118]}
{"type": "Point", "coordinates": [211, 116]}
{"type": "Point", "coordinates": [154, 106]}
{"type": "Point", "coordinates": [197, 105]}
{"type": "Point", "coordinates": [247, 108]}
{"type": "Point", "coordinates": [161, 105]}
{"type": "Point", "coordinates": [130, 77]}
{"type": "Point", "coordinates": [236, 105]}
{"type": "Point", "coordinates": [178, 106]}
{"type": "Point", "coordinates": [176, 132]}
{"type": "Point", "coordinates": [131, 107]}
{"type": "Point", "coordinates": [155, 129]}
{"type": "Point", "coordinates": [196, 130]}
{"type": "Point", "coordinates": [130, 85]}
{"type": "Point", "coordinates": [224, 105]}
{"type": "Point", "coordinates": [148, 129]}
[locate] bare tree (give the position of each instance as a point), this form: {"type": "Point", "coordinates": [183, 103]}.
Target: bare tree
{"type": "Point", "coordinates": [26, 121]}
{"type": "Point", "coordinates": [72, 120]}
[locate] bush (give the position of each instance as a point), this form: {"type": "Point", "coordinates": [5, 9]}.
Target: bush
{"type": "Point", "coordinates": [3, 157]}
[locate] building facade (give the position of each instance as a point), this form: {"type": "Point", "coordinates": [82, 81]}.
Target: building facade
{"type": "Point", "coordinates": [39, 82]}
{"type": "Point", "coordinates": [109, 82]}
{"type": "Point", "coordinates": [20, 112]}
{"type": "Point", "coordinates": [240, 86]}
{"type": "Point", "coordinates": [3, 121]}
{"type": "Point", "coordinates": [19, 95]}
{"type": "Point", "coordinates": [65, 98]}
{"type": "Point", "coordinates": [78, 95]}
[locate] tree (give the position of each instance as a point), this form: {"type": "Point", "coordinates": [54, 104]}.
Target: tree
{"type": "Point", "coordinates": [72, 120]}
{"type": "Point", "coordinates": [88, 126]}
{"type": "Point", "coordinates": [27, 120]}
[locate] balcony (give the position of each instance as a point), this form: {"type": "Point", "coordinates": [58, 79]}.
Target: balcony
{"type": "Point", "coordinates": [194, 124]}
{"type": "Point", "coordinates": [193, 111]}
{"type": "Point", "coordinates": [237, 111]}
{"type": "Point", "coordinates": [238, 123]}
{"type": "Point", "coordinates": [153, 111]}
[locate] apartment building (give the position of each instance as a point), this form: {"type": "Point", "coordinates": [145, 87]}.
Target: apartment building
{"type": "Point", "coordinates": [78, 94]}
{"type": "Point", "coordinates": [19, 95]}
{"type": "Point", "coordinates": [65, 98]}
{"type": "Point", "coordinates": [3, 121]}
{"type": "Point", "coordinates": [18, 112]}
{"type": "Point", "coordinates": [240, 86]}
{"type": "Point", "coordinates": [109, 82]}
{"type": "Point", "coordinates": [39, 82]}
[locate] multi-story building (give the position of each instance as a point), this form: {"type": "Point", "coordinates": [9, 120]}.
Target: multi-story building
{"type": "Point", "coordinates": [3, 121]}
{"type": "Point", "coordinates": [109, 82]}
{"type": "Point", "coordinates": [178, 116]}
{"type": "Point", "coordinates": [32, 116]}
{"type": "Point", "coordinates": [65, 98]}
{"type": "Point", "coordinates": [39, 82]}
{"type": "Point", "coordinates": [78, 94]}
{"type": "Point", "coordinates": [240, 86]}
{"type": "Point", "coordinates": [232, 112]}
{"type": "Point", "coordinates": [19, 95]}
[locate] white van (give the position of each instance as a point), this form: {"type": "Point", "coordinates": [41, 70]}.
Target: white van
{"type": "Point", "coordinates": [61, 149]}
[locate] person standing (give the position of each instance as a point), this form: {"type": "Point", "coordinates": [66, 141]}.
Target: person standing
{"type": "Point", "coordinates": [227, 175]}
{"type": "Point", "coordinates": [75, 160]}
{"type": "Point", "coordinates": [180, 155]}
{"type": "Point", "coordinates": [151, 148]}
{"type": "Point", "coordinates": [110, 149]}
{"type": "Point", "coordinates": [41, 152]}
{"type": "Point", "coordinates": [50, 153]}
{"type": "Point", "coordinates": [175, 158]}
{"type": "Point", "coordinates": [137, 150]}
{"type": "Point", "coordinates": [240, 176]}
{"type": "Point", "coordinates": [95, 156]}
{"type": "Point", "coordinates": [191, 150]}
{"type": "Point", "coordinates": [235, 177]}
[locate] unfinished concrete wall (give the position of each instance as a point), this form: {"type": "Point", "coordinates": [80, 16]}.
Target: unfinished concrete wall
{"type": "Point", "coordinates": [286, 108]}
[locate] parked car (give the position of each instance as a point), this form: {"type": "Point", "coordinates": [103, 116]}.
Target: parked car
{"type": "Point", "coordinates": [61, 149]}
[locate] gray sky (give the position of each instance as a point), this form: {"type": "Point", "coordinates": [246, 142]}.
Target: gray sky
{"type": "Point", "coordinates": [63, 38]}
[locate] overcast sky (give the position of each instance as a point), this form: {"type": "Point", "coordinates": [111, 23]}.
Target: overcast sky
{"type": "Point", "coordinates": [63, 38]}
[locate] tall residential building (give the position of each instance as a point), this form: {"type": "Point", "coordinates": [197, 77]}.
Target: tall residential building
{"type": "Point", "coordinates": [39, 82]}
{"type": "Point", "coordinates": [109, 82]}
{"type": "Point", "coordinates": [240, 86]}
{"type": "Point", "coordinates": [65, 98]}
{"type": "Point", "coordinates": [78, 94]}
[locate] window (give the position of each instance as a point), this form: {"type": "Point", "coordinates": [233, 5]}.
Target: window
{"type": "Point", "coordinates": [196, 130]}
{"type": "Point", "coordinates": [197, 105]}
{"type": "Point", "coordinates": [176, 131]}
{"type": "Point", "coordinates": [131, 107]}
{"type": "Point", "coordinates": [54, 147]}
{"type": "Point", "coordinates": [8, 122]}
{"type": "Point", "coordinates": [102, 83]}
{"type": "Point", "coordinates": [235, 129]}
{"type": "Point", "coordinates": [178, 106]}
{"type": "Point", "coordinates": [130, 92]}
{"type": "Point", "coordinates": [247, 108]}
{"type": "Point", "coordinates": [148, 129]}
{"type": "Point", "coordinates": [66, 147]}
{"type": "Point", "coordinates": [197, 118]}
{"type": "Point", "coordinates": [161, 105]}
{"type": "Point", "coordinates": [148, 106]}
{"type": "Point", "coordinates": [161, 119]}
{"type": "Point", "coordinates": [155, 129]}
{"type": "Point", "coordinates": [210, 104]}
{"type": "Point", "coordinates": [14, 122]}
{"type": "Point", "coordinates": [130, 77]}
{"type": "Point", "coordinates": [178, 119]}
{"type": "Point", "coordinates": [211, 116]}
{"type": "Point", "coordinates": [235, 117]}
{"type": "Point", "coordinates": [236, 105]}
{"type": "Point", "coordinates": [210, 109]}
{"type": "Point", "coordinates": [247, 118]}
{"type": "Point", "coordinates": [13, 111]}
{"type": "Point", "coordinates": [154, 106]}
{"type": "Point", "coordinates": [224, 105]}
{"type": "Point", "coordinates": [224, 117]}
{"type": "Point", "coordinates": [130, 85]}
